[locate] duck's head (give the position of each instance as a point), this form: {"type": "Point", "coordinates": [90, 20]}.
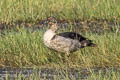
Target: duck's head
{"type": "Point", "coordinates": [51, 19]}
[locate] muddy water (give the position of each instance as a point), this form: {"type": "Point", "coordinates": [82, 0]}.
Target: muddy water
{"type": "Point", "coordinates": [98, 26]}
{"type": "Point", "coordinates": [50, 74]}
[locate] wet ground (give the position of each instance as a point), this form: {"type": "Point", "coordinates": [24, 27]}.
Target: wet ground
{"type": "Point", "coordinates": [94, 26]}
{"type": "Point", "coordinates": [50, 74]}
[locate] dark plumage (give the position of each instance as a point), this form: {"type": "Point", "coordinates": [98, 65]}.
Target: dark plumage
{"type": "Point", "coordinates": [72, 35]}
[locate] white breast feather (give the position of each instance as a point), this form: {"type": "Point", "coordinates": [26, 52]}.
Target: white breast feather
{"type": "Point", "coordinates": [48, 36]}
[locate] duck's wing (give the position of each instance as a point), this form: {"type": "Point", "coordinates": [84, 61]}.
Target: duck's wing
{"type": "Point", "coordinates": [83, 40]}
{"type": "Point", "coordinates": [72, 35]}
{"type": "Point", "coordinates": [60, 43]}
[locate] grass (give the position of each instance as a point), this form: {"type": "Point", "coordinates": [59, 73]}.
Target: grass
{"type": "Point", "coordinates": [33, 10]}
{"type": "Point", "coordinates": [64, 75]}
{"type": "Point", "coordinates": [25, 48]}
{"type": "Point", "coordinates": [111, 75]}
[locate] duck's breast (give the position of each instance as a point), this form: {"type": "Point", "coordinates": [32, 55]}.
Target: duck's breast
{"type": "Point", "coordinates": [48, 35]}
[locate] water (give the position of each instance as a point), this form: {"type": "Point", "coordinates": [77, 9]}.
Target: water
{"type": "Point", "coordinates": [98, 26]}
{"type": "Point", "coordinates": [50, 73]}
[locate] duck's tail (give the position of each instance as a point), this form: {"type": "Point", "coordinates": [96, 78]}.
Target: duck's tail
{"type": "Point", "coordinates": [88, 43]}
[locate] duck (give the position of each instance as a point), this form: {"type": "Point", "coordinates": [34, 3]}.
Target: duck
{"type": "Point", "coordinates": [65, 42]}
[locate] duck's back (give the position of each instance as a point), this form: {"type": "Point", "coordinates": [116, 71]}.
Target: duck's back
{"type": "Point", "coordinates": [72, 35]}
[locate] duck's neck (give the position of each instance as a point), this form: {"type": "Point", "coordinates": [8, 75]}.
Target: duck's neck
{"type": "Point", "coordinates": [48, 35]}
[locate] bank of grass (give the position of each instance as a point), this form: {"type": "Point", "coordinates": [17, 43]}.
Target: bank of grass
{"type": "Point", "coordinates": [33, 10]}
{"type": "Point", "coordinates": [25, 48]}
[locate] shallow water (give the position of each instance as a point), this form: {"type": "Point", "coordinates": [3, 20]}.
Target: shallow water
{"type": "Point", "coordinates": [50, 74]}
{"type": "Point", "coordinates": [98, 26]}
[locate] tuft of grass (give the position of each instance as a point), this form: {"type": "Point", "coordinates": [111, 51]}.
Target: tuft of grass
{"type": "Point", "coordinates": [109, 75]}
{"type": "Point", "coordinates": [25, 48]}
{"type": "Point", "coordinates": [33, 10]}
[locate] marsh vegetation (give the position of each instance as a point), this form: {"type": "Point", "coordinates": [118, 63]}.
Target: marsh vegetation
{"type": "Point", "coordinates": [21, 47]}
